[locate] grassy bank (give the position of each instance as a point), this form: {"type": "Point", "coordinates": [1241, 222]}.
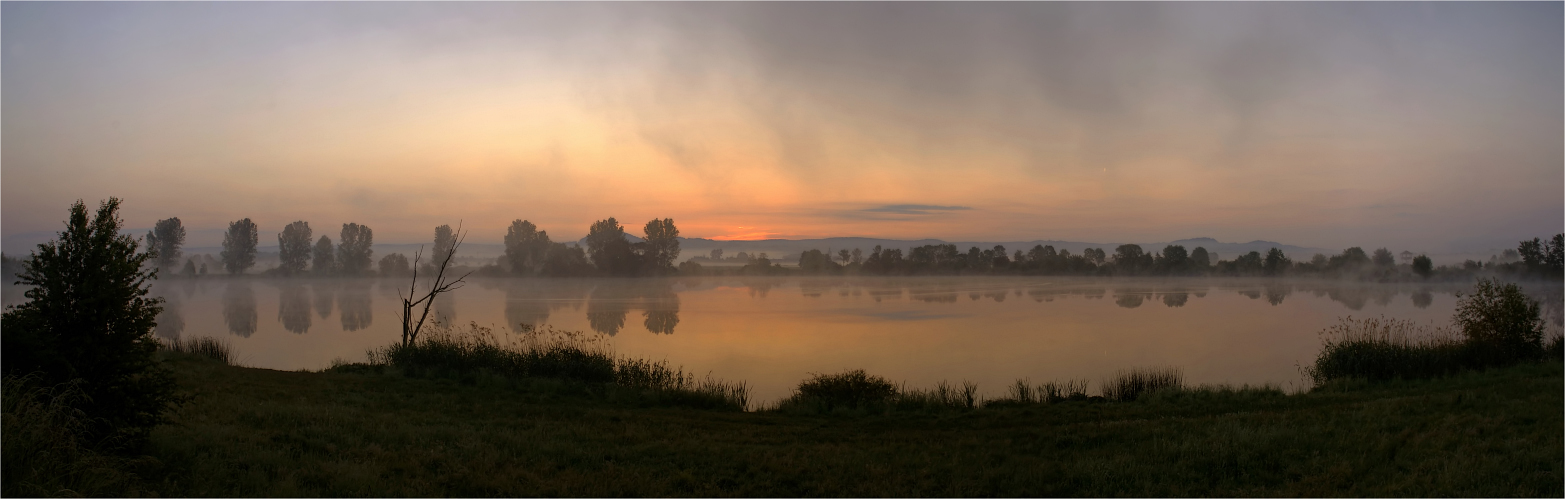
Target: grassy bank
{"type": "Point", "coordinates": [251, 432]}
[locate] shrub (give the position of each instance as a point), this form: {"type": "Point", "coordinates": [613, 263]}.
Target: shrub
{"type": "Point", "coordinates": [850, 389]}
{"type": "Point", "coordinates": [87, 317]}
{"type": "Point", "coordinates": [1500, 322]}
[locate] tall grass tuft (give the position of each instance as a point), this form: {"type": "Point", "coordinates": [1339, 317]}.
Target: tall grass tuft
{"type": "Point", "coordinates": [204, 346]}
{"type": "Point", "coordinates": [1023, 391]}
{"type": "Point", "coordinates": [547, 353]}
{"type": "Point", "coordinates": [942, 396]}
{"type": "Point", "coordinates": [1128, 385]}
{"type": "Point", "coordinates": [45, 452]}
{"type": "Point", "coordinates": [1382, 348]}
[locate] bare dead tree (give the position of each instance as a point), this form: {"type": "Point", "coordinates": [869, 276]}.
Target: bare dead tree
{"type": "Point", "coordinates": [411, 329]}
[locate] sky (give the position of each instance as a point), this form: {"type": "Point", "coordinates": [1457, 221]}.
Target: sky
{"type": "Point", "coordinates": [1434, 127]}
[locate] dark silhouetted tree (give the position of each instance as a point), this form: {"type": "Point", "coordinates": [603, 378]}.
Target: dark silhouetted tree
{"type": "Point", "coordinates": [88, 317]}
{"type": "Point", "coordinates": [1200, 259]}
{"type": "Point", "coordinates": [444, 241]}
{"type": "Point", "coordinates": [293, 247]}
{"type": "Point", "coordinates": [164, 241]}
{"type": "Point", "coordinates": [1175, 260]}
{"type": "Point", "coordinates": [526, 247]}
{"type": "Point", "coordinates": [566, 261]}
{"type": "Point", "coordinates": [325, 258]}
{"type": "Point", "coordinates": [662, 246]}
{"type": "Point", "coordinates": [609, 249]}
{"type": "Point", "coordinates": [1128, 259]}
{"type": "Point", "coordinates": [355, 249]}
{"type": "Point", "coordinates": [190, 268]}
{"type": "Point", "coordinates": [239, 246]}
{"type": "Point", "coordinates": [1422, 265]}
{"type": "Point", "coordinates": [1383, 258]}
{"type": "Point", "coordinates": [394, 264]}
{"type": "Point", "coordinates": [1275, 263]}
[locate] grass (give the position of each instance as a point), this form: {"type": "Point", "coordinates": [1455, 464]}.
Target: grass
{"type": "Point", "coordinates": [255, 432]}
{"type": "Point", "coordinates": [45, 453]}
{"type": "Point", "coordinates": [204, 346]}
{"type": "Point", "coordinates": [1129, 385]}
{"type": "Point", "coordinates": [480, 353]}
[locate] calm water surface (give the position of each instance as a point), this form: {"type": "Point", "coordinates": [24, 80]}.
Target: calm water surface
{"type": "Point", "coordinates": [772, 332]}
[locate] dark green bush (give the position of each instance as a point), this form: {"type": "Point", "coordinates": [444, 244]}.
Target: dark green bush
{"type": "Point", "coordinates": [88, 318]}
{"type": "Point", "coordinates": [847, 389]}
{"type": "Point", "coordinates": [1501, 324]}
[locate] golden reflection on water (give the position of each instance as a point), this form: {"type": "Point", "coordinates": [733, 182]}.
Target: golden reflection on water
{"type": "Point", "coordinates": [772, 332]}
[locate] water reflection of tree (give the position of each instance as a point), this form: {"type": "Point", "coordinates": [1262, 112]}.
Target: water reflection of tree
{"type": "Point", "coordinates": [355, 305]}
{"type": "Point", "coordinates": [1041, 295]}
{"type": "Point", "coordinates": [1353, 298]}
{"type": "Point", "coordinates": [662, 312]}
{"type": "Point", "coordinates": [524, 304]}
{"type": "Point", "coordinates": [1175, 299]}
{"type": "Point", "coordinates": [1129, 300]}
{"type": "Point", "coordinates": [170, 322]}
{"type": "Point", "coordinates": [1423, 298]}
{"type": "Point", "coordinates": [325, 295]}
{"type": "Point", "coordinates": [239, 309]}
{"type": "Point", "coordinates": [293, 307]}
{"type": "Point", "coordinates": [1275, 293]}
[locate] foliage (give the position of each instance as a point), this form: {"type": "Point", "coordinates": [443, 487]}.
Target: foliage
{"type": "Point", "coordinates": [851, 389]}
{"type": "Point", "coordinates": [325, 261]}
{"type": "Point", "coordinates": [88, 317]}
{"type": "Point", "coordinates": [355, 249]}
{"type": "Point", "coordinates": [445, 243]}
{"type": "Point", "coordinates": [239, 246]}
{"type": "Point", "coordinates": [608, 248]}
{"type": "Point", "coordinates": [46, 451]}
{"type": "Point", "coordinates": [164, 241]}
{"type": "Point", "coordinates": [526, 247]}
{"type": "Point", "coordinates": [1422, 265]}
{"type": "Point", "coordinates": [662, 245]}
{"type": "Point", "coordinates": [1502, 320]}
{"type": "Point", "coordinates": [293, 247]}
{"type": "Point", "coordinates": [394, 264]}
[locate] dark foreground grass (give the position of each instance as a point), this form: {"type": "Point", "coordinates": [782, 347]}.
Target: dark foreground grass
{"type": "Point", "coordinates": [254, 432]}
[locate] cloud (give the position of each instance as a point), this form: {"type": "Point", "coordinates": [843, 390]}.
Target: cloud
{"type": "Point", "coordinates": [915, 209]}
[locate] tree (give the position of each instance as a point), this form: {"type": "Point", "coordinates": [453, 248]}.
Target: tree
{"type": "Point", "coordinates": [1127, 258]}
{"type": "Point", "coordinates": [239, 246]}
{"type": "Point", "coordinates": [88, 321]}
{"type": "Point", "coordinates": [164, 241]}
{"type": "Point", "coordinates": [1200, 259]}
{"type": "Point", "coordinates": [662, 245]}
{"type": "Point", "coordinates": [325, 258]}
{"type": "Point", "coordinates": [444, 242]}
{"type": "Point", "coordinates": [717, 254]}
{"type": "Point", "coordinates": [394, 264]}
{"type": "Point", "coordinates": [1175, 259]}
{"type": "Point", "coordinates": [293, 247]}
{"type": "Point", "coordinates": [1277, 263]}
{"type": "Point", "coordinates": [355, 249]}
{"type": "Point", "coordinates": [609, 249]}
{"type": "Point", "coordinates": [1543, 258]}
{"type": "Point", "coordinates": [440, 285]}
{"type": "Point", "coordinates": [190, 268]}
{"type": "Point", "coordinates": [526, 247]}
{"type": "Point", "coordinates": [1383, 258]}
{"type": "Point", "coordinates": [566, 261]}
{"type": "Point", "coordinates": [845, 255]}
{"type": "Point", "coordinates": [1422, 265]}
{"type": "Point", "coordinates": [1502, 320]}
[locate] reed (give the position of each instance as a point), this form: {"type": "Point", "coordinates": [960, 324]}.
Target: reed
{"type": "Point", "coordinates": [1023, 391]}
{"type": "Point", "coordinates": [1382, 348]}
{"type": "Point", "coordinates": [530, 352]}
{"type": "Point", "coordinates": [1130, 384]}
{"type": "Point", "coordinates": [204, 346]}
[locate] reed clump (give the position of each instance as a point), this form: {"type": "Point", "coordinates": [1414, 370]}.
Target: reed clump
{"type": "Point", "coordinates": [1382, 349]}
{"type": "Point", "coordinates": [204, 346]}
{"type": "Point", "coordinates": [1023, 391]}
{"type": "Point", "coordinates": [545, 352]}
{"type": "Point", "coordinates": [1131, 384]}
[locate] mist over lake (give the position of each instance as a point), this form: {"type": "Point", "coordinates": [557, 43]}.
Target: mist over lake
{"type": "Point", "coordinates": [772, 331]}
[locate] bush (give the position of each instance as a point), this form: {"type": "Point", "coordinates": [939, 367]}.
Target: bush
{"type": "Point", "coordinates": [849, 389]}
{"type": "Point", "coordinates": [1501, 322]}
{"type": "Point", "coordinates": [88, 318]}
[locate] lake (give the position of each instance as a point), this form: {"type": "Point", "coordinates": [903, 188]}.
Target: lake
{"type": "Point", "coordinates": [773, 332]}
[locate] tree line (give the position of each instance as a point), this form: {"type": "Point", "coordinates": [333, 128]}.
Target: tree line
{"type": "Point", "coordinates": [608, 252]}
